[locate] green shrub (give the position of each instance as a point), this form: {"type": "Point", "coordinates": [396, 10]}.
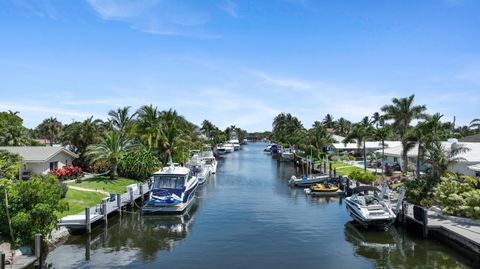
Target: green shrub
{"type": "Point", "coordinates": [351, 158]}
{"type": "Point", "coordinates": [362, 176]}
{"type": "Point", "coordinates": [458, 199]}
{"type": "Point", "coordinates": [334, 158]}
{"type": "Point", "coordinates": [140, 164]}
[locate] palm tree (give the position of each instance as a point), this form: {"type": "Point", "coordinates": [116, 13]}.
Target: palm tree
{"type": "Point", "coordinates": [378, 119]}
{"type": "Point", "coordinates": [287, 129]}
{"type": "Point", "coordinates": [207, 128]}
{"type": "Point", "coordinates": [78, 135]}
{"type": "Point", "coordinates": [361, 132]}
{"type": "Point", "coordinates": [149, 125]}
{"type": "Point", "coordinates": [440, 158]}
{"type": "Point", "coordinates": [111, 149]}
{"type": "Point", "coordinates": [318, 138]}
{"type": "Point", "coordinates": [50, 129]}
{"type": "Point", "coordinates": [475, 124]}
{"type": "Point", "coordinates": [121, 119]}
{"type": "Point", "coordinates": [382, 134]}
{"type": "Point", "coordinates": [328, 121]}
{"type": "Point", "coordinates": [402, 112]}
{"type": "Point", "coordinates": [343, 126]}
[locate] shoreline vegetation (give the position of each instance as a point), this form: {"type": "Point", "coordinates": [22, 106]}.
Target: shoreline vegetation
{"type": "Point", "coordinates": [130, 145]}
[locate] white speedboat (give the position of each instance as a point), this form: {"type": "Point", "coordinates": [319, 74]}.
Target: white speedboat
{"type": "Point", "coordinates": [368, 208]}
{"type": "Point", "coordinates": [307, 181]}
{"type": "Point", "coordinates": [221, 150]}
{"type": "Point", "coordinates": [173, 190]}
{"type": "Point", "coordinates": [235, 143]}
{"type": "Point", "coordinates": [209, 161]}
{"type": "Point", "coordinates": [229, 148]}
{"type": "Point", "coordinates": [197, 166]}
{"type": "Point", "coordinates": [287, 156]}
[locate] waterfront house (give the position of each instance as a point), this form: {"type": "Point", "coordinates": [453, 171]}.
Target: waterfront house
{"type": "Point", "coordinates": [41, 160]}
{"type": "Point", "coordinates": [355, 148]}
{"type": "Point", "coordinates": [469, 166]}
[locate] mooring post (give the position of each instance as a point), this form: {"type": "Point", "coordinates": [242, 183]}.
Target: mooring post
{"type": "Point", "coordinates": [119, 203]}
{"type": "Point", "coordinates": [404, 212]}
{"type": "Point", "coordinates": [38, 247]}
{"type": "Point", "coordinates": [330, 170]}
{"type": "Point", "coordinates": [141, 192]}
{"type": "Point", "coordinates": [324, 167]}
{"type": "Point", "coordinates": [87, 220]}
{"type": "Point", "coordinates": [2, 260]}
{"type": "Point", "coordinates": [105, 210]}
{"type": "Point", "coordinates": [131, 197]}
{"type": "Point", "coordinates": [335, 172]}
{"type": "Point", "coordinates": [425, 223]}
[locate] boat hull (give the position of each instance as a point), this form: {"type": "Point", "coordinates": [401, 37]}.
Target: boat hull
{"type": "Point", "coordinates": [324, 193]}
{"type": "Point", "coordinates": [379, 222]}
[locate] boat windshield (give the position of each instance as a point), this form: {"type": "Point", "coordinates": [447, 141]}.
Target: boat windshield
{"type": "Point", "coordinates": [168, 182]}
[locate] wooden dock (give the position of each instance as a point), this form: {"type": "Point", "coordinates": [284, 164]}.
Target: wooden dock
{"type": "Point", "coordinates": [464, 232]}
{"type": "Point", "coordinates": [83, 221]}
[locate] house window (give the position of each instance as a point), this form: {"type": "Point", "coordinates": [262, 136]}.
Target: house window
{"type": "Point", "coordinates": [395, 159]}
{"type": "Point", "coordinates": [53, 166]}
{"type": "Point", "coordinates": [66, 162]}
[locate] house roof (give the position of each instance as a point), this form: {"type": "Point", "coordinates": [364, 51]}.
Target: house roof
{"type": "Point", "coordinates": [475, 167]}
{"type": "Point", "coordinates": [470, 138]}
{"type": "Point", "coordinates": [38, 154]}
{"type": "Point", "coordinates": [369, 145]}
{"type": "Point", "coordinates": [473, 155]}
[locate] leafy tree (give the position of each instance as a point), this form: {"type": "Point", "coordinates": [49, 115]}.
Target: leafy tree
{"type": "Point", "coordinates": [50, 129]}
{"type": "Point", "coordinates": [111, 149]}
{"type": "Point", "coordinates": [12, 132]}
{"type": "Point", "coordinates": [382, 134]}
{"type": "Point", "coordinates": [475, 124]}
{"type": "Point", "coordinates": [9, 168]}
{"type": "Point", "coordinates": [343, 126]}
{"type": "Point", "coordinates": [78, 135]}
{"type": "Point", "coordinates": [318, 138]}
{"type": "Point", "coordinates": [208, 128]}
{"type": "Point", "coordinates": [403, 112]}
{"type": "Point", "coordinates": [149, 126]}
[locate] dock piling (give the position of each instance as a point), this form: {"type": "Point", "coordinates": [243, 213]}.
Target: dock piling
{"type": "Point", "coordinates": [425, 223]}
{"type": "Point", "coordinates": [330, 170]}
{"type": "Point", "coordinates": [104, 210]}
{"type": "Point", "coordinates": [140, 187]}
{"type": "Point", "coordinates": [2, 260]}
{"type": "Point", "coordinates": [88, 224]}
{"type": "Point", "coordinates": [119, 203]}
{"type": "Point", "coordinates": [131, 197]}
{"type": "Point", "coordinates": [38, 249]}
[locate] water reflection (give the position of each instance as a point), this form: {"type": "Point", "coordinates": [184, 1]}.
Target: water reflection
{"type": "Point", "coordinates": [397, 249]}
{"type": "Point", "coordinates": [128, 238]}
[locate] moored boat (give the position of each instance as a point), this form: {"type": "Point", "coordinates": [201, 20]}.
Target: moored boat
{"type": "Point", "coordinates": [324, 189]}
{"type": "Point", "coordinates": [307, 181]}
{"type": "Point", "coordinates": [368, 208]}
{"type": "Point", "coordinates": [173, 190]}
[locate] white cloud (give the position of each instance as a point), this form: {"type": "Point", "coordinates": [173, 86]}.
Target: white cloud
{"type": "Point", "coordinates": [163, 17]}
{"type": "Point", "coordinates": [470, 74]}
{"type": "Point", "coordinates": [282, 82]}
{"type": "Point", "coordinates": [231, 8]}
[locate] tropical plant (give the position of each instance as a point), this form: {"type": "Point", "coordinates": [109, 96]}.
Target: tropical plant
{"type": "Point", "coordinates": [458, 199]}
{"type": "Point", "coordinates": [382, 134]}
{"type": "Point", "coordinates": [78, 135]}
{"type": "Point", "coordinates": [361, 132]}
{"type": "Point", "coordinates": [111, 149]}
{"type": "Point", "coordinates": [365, 177]}
{"type": "Point", "coordinates": [475, 124]}
{"type": "Point", "coordinates": [403, 112]}
{"type": "Point", "coordinates": [121, 120]}
{"type": "Point", "coordinates": [343, 126]}
{"type": "Point", "coordinates": [149, 126]}
{"type": "Point", "coordinates": [50, 129]}
{"type": "Point", "coordinates": [328, 121]}
{"type": "Point", "coordinates": [12, 132]}
{"type": "Point", "coordinates": [318, 138]}
{"type": "Point", "coordinates": [287, 129]}
{"type": "Point", "coordinates": [139, 164]}
{"type": "Point", "coordinates": [67, 172]}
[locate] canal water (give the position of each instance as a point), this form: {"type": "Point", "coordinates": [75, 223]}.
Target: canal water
{"type": "Point", "coordinates": [248, 217]}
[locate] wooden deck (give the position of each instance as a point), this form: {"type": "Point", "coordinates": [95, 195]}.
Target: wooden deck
{"type": "Point", "coordinates": [84, 220]}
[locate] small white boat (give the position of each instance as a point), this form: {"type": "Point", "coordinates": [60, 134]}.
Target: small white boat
{"type": "Point", "coordinates": [173, 190]}
{"type": "Point", "coordinates": [307, 181]}
{"type": "Point", "coordinates": [368, 208]}
{"type": "Point", "coordinates": [235, 143]}
{"type": "Point", "coordinates": [221, 150]}
{"type": "Point", "coordinates": [287, 156]}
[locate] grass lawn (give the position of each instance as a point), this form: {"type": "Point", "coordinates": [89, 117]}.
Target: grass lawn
{"type": "Point", "coordinates": [347, 170]}
{"type": "Point", "coordinates": [79, 200]}
{"type": "Point", "coordinates": [105, 184]}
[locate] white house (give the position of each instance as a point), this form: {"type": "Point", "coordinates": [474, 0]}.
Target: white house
{"type": "Point", "coordinates": [470, 166]}
{"type": "Point", "coordinates": [370, 146]}
{"type": "Point", "coordinates": [41, 160]}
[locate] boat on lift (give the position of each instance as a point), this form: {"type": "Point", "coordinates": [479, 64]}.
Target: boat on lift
{"type": "Point", "coordinates": [367, 207]}
{"type": "Point", "coordinates": [173, 190]}
{"type": "Point", "coordinates": [209, 160]}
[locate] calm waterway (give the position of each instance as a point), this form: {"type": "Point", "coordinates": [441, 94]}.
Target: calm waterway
{"type": "Point", "coordinates": [248, 217]}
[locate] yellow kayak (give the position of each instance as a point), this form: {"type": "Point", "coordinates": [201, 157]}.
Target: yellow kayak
{"type": "Point", "coordinates": [327, 187]}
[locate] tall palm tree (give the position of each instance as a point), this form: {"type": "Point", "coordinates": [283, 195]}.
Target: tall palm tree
{"type": "Point", "coordinates": [378, 119]}
{"type": "Point", "coordinates": [111, 149]}
{"type": "Point", "coordinates": [328, 121]}
{"type": "Point", "coordinates": [149, 125]}
{"type": "Point", "coordinates": [318, 138]}
{"type": "Point", "coordinates": [50, 129]}
{"type": "Point", "coordinates": [287, 129]}
{"type": "Point", "coordinates": [440, 158]}
{"type": "Point", "coordinates": [207, 128]}
{"type": "Point", "coordinates": [343, 126]}
{"type": "Point", "coordinates": [403, 112]}
{"type": "Point", "coordinates": [121, 119]}
{"type": "Point", "coordinates": [361, 132]}
{"type": "Point", "coordinates": [382, 134]}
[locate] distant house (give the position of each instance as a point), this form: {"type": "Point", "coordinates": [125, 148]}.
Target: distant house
{"type": "Point", "coordinates": [469, 166]}
{"type": "Point", "coordinates": [370, 146]}
{"type": "Point", "coordinates": [471, 138]}
{"type": "Point", "coordinates": [41, 160]}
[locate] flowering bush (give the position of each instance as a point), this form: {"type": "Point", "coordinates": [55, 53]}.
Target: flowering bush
{"type": "Point", "coordinates": [67, 172]}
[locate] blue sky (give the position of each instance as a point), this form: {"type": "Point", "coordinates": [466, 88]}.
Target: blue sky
{"type": "Point", "coordinates": [238, 62]}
